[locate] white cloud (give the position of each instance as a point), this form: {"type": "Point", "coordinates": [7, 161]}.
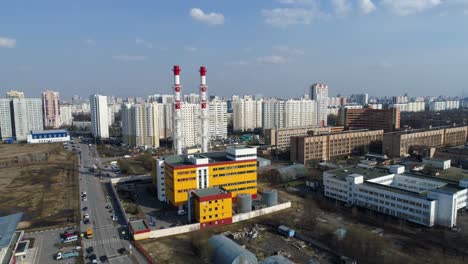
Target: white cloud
{"type": "Point", "coordinates": [366, 6]}
{"type": "Point", "coordinates": [238, 63]}
{"type": "Point", "coordinates": [407, 7]}
{"type": "Point", "coordinates": [7, 42]}
{"type": "Point", "coordinates": [125, 57]}
{"type": "Point", "coordinates": [191, 49]}
{"type": "Point", "coordinates": [272, 59]}
{"type": "Point", "coordinates": [282, 17]}
{"type": "Point", "coordinates": [208, 18]}
{"type": "Point", "coordinates": [341, 6]}
{"type": "Point", "coordinates": [288, 50]}
{"type": "Point", "coordinates": [89, 41]}
{"type": "Point", "coordinates": [140, 41]}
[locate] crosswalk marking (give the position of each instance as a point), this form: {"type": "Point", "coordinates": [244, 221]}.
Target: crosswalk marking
{"type": "Point", "coordinates": [100, 242]}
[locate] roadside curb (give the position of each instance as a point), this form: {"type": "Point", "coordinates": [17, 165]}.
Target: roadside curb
{"type": "Point", "coordinates": [48, 230]}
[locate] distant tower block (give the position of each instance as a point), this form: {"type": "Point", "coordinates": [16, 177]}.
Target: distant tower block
{"type": "Point", "coordinates": [204, 110]}
{"type": "Point", "coordinates": [177, 114]}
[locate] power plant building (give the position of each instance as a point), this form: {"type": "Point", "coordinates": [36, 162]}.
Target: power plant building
{"type": "Point", "coordinates": [235, 170]}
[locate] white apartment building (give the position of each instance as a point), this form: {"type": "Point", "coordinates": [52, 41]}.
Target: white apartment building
{"type": "Point", "coordinates": [80, 108]}
{"type": "Point", "coordinates": [424, 200]}
{"type": "Point", "coordinates": [444, 105]}
{"type": "Point", "coordinates": [411, 106]}
{"type": "Point", "coordinates": [99, 116]}
{"type": "Point", "coordinates": [27, 116]}
{"type": "Point", "coordinates": [191, 128]}
{"type": "Point", "coordinates": [140, 125]}
{"type": "Point", "coordinates": [272, 113]}
{"type": "Point", "coordinates": [289, 113]}
{"type": "Point", "coordinates": [66, 117]}
{"type": "Point", "coordinates": [217, 111]}
{"type": "Point", "coordinates": [247, 114]}
{"type": "Point", "coordinates": [319, 93]}
{"type": "Point", "coordinates": [298, 113]}
{"type": "Point", "coordinates": [165, 120]}
{"type": "Point", "coordinates": [146, 125]}
{"type": "Point", "coordinates": [6, 124]}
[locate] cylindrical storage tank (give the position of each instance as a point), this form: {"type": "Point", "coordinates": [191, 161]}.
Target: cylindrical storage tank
{"type": "Point", "coordinates": [270, 197]}
{"type": "Point", "coordinates": [244, 203]}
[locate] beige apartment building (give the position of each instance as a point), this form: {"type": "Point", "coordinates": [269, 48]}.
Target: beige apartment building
{"type": "Point", "coordinates": [285, 134]}
{"type": "Point", "coordinates": [323, 147]}
{"type": "Point", "coordinates": [399, 144]}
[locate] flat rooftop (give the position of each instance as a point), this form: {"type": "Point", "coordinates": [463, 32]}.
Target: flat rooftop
{"type": "Point", "coordinates": [183, 160]}
{"type": "Point", "coordinates": [8, 226]}
{"type": "Point", "coordinates": [139, 225]}
{"type": "Point", "coordinates": [446, 186]}
{"type": "Point", "coordinates": [368, 174]}
{"type": "Point", "coordinates": [208, 191]}
{"type": "Point", "coordinates": [50, 131]}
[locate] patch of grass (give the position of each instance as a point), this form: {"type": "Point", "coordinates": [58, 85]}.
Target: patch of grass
{"type": "Point", "coordinates": [46, 191]}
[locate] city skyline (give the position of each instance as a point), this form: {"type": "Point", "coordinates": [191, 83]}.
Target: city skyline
{"type": "Point", "coordinates": [376, 47]}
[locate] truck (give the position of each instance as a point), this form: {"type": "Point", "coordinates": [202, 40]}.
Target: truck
{"type": "Point", "coordinates": [67, 255]}
{"type": "Point", "coordinates": [89, 233]}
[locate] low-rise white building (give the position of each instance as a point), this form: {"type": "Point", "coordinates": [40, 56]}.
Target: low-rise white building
{"type": "Point", "coordinates": [48, 136]}
{"type": "Point", "coordinates": [424, 200]}
{"type": "Point", "coordinates": [437, 163]}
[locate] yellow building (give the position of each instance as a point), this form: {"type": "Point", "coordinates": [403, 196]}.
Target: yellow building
{"type": "Point", "coordinates": [212, 206]}
{"type": "Point", "coordinates": [235, 170]}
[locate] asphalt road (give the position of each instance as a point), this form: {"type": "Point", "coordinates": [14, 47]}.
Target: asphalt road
{"type": "Point", "coordinates": [44, 243]}
{"type": "Point", "coordinates": [106, 236]}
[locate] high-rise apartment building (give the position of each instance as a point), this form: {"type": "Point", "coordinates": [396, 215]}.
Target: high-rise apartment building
{"type": "Point", "coordinates": [386, 119]}
{"type": "Point", "coordinates": [6, 124]}
{"type": "Point", "coordinates": [190, 118]}
{"type": "Point", "coordinates": [217, 111]}
{"type": "Point", "coordinates": [165, 120]}
{"type": "Point", "coordinates": [51, 109]}
{"type": "Point", "coordinates": [14, 94]}
{"type": "Point", "coordinates": [27, 116]}
{"type": "Point", "coordinates": [146, 120]}
{"type": "Point", "coordinates": [299, 113]}
{"type": "Point", "coordinates": [66, 117]}
{"type": "Point", "coordinates": [319, 93]}
{"type": "Point", "coordinates": [362, 99]}
{"type": "Point", "coordinates": [99, 116]}
{"type": "Point", "coordinates": [247, 114]}
{"type": "Point", "coordinates": [272, 114]}
{"type": "Point", "coordinates": [127, 115]}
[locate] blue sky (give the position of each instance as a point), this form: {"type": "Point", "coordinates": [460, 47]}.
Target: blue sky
{"type": "Point", "coordinates": [276, 48]}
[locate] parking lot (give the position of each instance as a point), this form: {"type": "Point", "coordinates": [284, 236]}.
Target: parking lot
{"type": "Point", "coordinates": [46, 242]}
{"type": "Point", "coordinates": [158, 214]}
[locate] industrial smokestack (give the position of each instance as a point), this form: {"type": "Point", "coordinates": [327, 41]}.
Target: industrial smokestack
{"type": "Point", "coordinates": [177, 114]}
{"type": "Point", "coordinates": [204, 110]}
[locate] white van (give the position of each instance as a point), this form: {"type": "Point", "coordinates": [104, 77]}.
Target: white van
{"type": "Point", "coordinates": [70, 239]}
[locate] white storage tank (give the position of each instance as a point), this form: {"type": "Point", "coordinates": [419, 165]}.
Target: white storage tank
{"type": "Point", "coordinates": [270, 197]}
{"type": "Point", "coordinates": [244, 203]}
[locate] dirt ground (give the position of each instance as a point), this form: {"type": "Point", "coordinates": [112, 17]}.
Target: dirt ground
{"type": "Point", "coordinates": [40, 180]}
{"type": "Point", "coordinates": [193, 247]}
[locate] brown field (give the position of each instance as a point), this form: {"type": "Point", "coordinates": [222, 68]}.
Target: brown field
{"type": "Point", "coordinates": [40, 180]}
